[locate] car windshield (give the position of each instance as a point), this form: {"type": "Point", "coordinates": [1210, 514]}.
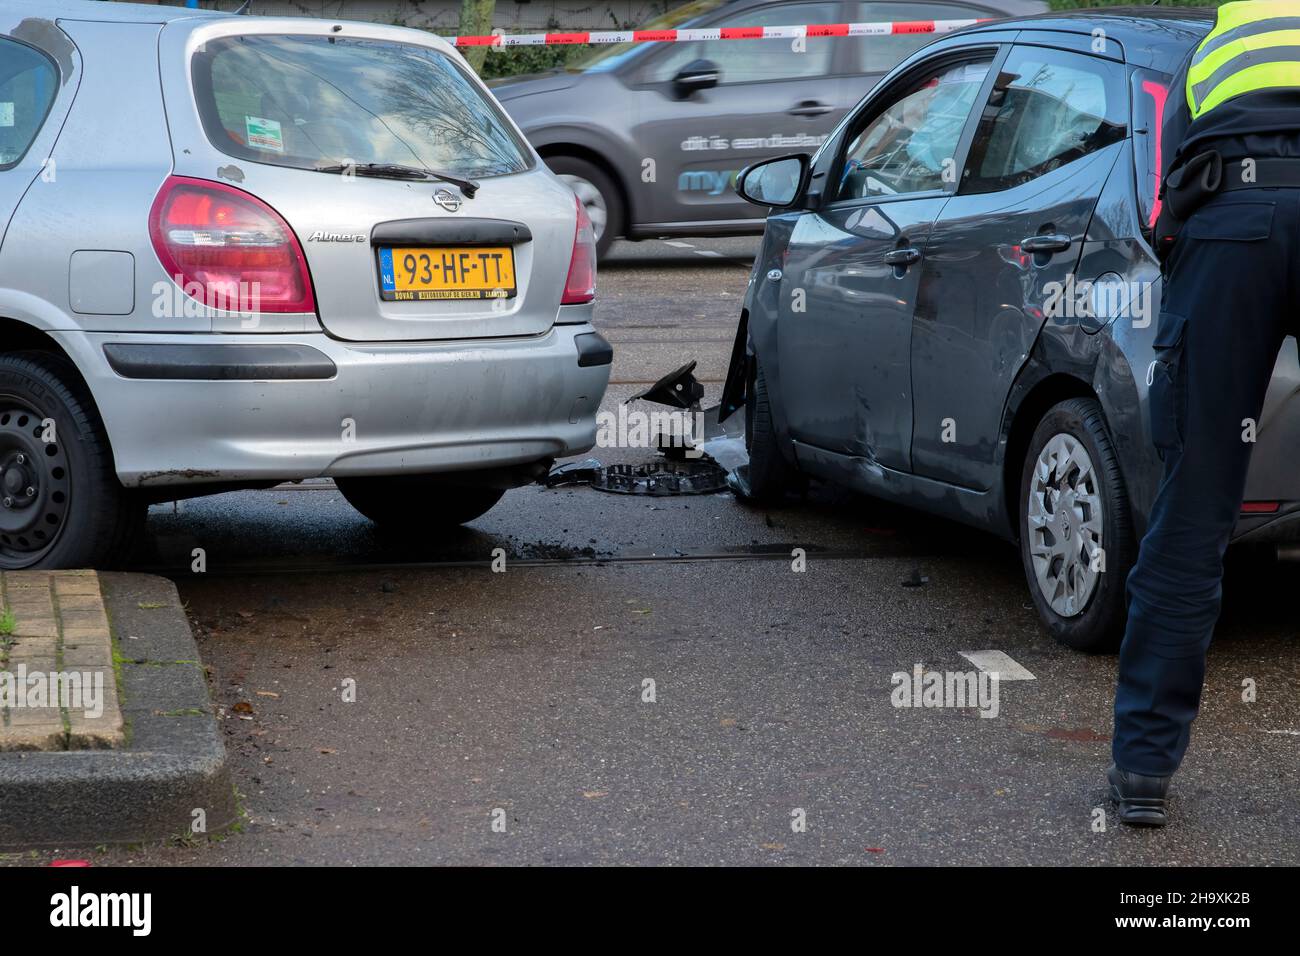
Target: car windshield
{"type": "Point", "coordinates": [311, 101]}
{"type": "Point", "coordinates": [605, 58]}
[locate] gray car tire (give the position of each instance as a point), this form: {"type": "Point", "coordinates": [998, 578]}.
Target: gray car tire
{"type": "Point", "coordinates": [417, 503]}
{"type": "Point", "coordinates": [1098, 625]}
{"type": "Point", "coordinates": [770, 475]}
{"type": "Point", "coordinates": [593, 185]}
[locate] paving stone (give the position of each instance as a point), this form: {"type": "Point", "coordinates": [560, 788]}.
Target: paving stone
{"type": "Point", "coordinates": [60, 613]}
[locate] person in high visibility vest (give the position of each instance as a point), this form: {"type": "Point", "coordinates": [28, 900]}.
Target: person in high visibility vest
{"type": "Point", "coordinates": [1229, 237]}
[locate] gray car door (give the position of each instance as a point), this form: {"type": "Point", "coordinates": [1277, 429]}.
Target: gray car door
{"type": "Point", "coordinates": [852, 270]}
{"type": "Point", "coordinates": [773, 96]}
{"type": "Point", "coordinates": [1005, 246]}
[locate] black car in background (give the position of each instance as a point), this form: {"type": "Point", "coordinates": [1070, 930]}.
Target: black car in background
{"type": "Point", "coordinates": [652, 135]}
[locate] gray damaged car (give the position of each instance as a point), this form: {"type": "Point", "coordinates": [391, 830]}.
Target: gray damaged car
{"type": "Point", "coordinates": [956, 305]}
{"type": "Point", "coordinates": [238, 250]}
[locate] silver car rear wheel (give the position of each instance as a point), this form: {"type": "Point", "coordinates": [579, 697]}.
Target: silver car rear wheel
{"type": "Point", "coordinates": [1065, 522]}
{"type": "Point", "coordinates": [35, 484]}
{"type": "Point", "coordinates": [61, 504]}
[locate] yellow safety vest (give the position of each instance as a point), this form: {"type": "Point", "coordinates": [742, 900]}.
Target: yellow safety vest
{"type": "Point", "coordinates": [1255, 45]}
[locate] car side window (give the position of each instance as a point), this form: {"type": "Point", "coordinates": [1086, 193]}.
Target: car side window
{"type": "Point", "coordinates": [28, 85]}
{"type": "Point", "coordinates": [881, 53]}
{"type": "Point", "coordinates": [749, 61]}
{"type": "Point", "coordinates": [911, 145]}
{"type": "Point", "coordinates": [1047, 108]}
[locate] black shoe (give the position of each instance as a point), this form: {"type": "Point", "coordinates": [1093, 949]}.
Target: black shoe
{"type": "Point", "coordinates": [1141, 800]}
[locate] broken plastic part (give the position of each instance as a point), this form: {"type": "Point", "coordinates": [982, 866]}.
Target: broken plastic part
{"type": "Point", "coordinates": [738, 481]}
{"type": "Point", "coordinates": [573, 473]}
{"type": "Point", "coordinates": [736, 387]}
{"type": "Point", "coordinates": [724, 441]}
{"type": "Point", "coordinates": [698, 477]}
{"type": "Point", "coordinates": [678, 389]}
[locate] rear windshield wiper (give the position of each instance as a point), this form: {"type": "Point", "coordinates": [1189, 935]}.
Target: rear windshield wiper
{"type": "Point", "coordinates": [397, 171]}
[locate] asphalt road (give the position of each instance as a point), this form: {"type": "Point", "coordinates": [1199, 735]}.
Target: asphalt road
{"type": "Point", "coordinates": [520, 698]}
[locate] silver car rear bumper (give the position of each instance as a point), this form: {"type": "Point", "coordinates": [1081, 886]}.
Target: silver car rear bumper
{"type": "Point", "coordinates": [313, 406]}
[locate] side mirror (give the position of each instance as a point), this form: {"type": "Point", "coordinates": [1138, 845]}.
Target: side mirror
{"type": "Point", "coordinates": [696, 75]}
{"type": "Point", "coordinates": [773, 182]}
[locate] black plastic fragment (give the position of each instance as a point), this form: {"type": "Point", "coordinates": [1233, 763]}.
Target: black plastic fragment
{"type": "Point", "coordinates": [678, 389]}
{"type": "Point", "coordinates": [574, 473]}
{"type": "Point", "coordinates": [699, 477]}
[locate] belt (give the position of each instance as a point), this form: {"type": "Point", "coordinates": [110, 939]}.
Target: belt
{"type": "Point", "coordinates": [1206, 174]}
{"type": "Point", "coordinates": [1200, 178]}
{"type": "Point", "coordinates": [1265, 172]}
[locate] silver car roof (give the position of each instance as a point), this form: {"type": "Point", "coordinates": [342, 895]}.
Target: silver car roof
{"type": "Point", "coordinates": [105, 11]}
{"type": "Point", "coordinates": [191, 21]}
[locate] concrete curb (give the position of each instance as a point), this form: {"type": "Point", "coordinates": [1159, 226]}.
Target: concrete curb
{"type": "Point", "coordinates": [174, 761]}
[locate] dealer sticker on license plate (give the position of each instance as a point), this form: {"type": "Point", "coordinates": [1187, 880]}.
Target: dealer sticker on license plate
{"type": "Point", "coordinates": [447, 272]}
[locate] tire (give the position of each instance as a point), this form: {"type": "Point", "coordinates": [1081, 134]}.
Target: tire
{"type": "Point", "coordinates": [599, 194]}
{"type": "Point", "coordinates": [417, 503]}
{"type": "Point", "coordinates": [1071, 491]}
{"type": "Point", "coordinates": [77, 515]}
{"type": "Point", "coordinates": [770, 475]}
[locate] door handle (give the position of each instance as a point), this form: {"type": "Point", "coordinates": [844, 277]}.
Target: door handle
{"type": "Point", "coordinates": [809, 108]}
{"type": "Point", "coordinates": [903, 257]}
{"type": "Point", "coordinates": [1054, 242]}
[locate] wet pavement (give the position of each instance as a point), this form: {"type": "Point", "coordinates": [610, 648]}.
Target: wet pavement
{"type": "Point", "coordinates": [654, 680]}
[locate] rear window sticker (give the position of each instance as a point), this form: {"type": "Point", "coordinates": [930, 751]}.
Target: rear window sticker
{"type": "Point", "coordinates": [264, 133]}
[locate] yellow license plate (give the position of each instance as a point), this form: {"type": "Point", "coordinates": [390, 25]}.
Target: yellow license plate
{"type": "Point", "coordinates": [447, 272]}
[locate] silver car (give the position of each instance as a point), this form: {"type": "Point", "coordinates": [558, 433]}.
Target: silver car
{"type": "Point", "coordinates": [238, 250]}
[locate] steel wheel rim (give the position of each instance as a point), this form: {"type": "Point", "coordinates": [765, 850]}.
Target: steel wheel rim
{"type": "Point", "coordinates": [1066, 521]}
{"type": "Point", "coordinates": [35, 485]}
{"type": "Point", "coordinates": [592, 200]}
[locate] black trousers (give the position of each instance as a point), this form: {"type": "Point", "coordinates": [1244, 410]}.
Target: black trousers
{"type": "Point", "coordinates": [1231, 296]}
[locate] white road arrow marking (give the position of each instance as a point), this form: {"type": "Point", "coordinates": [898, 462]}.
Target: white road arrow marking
{"type": "Point", "coordinates": [998, 663]}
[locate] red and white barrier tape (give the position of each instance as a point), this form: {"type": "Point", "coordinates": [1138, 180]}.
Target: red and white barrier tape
{"type": "Point", "coordinates": [717, 33]}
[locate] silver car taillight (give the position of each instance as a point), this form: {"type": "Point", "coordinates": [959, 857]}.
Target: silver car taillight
{"type": "Point", "coordinates": [228, 249]}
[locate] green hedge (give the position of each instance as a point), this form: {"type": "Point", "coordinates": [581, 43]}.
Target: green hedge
{"type": "Point", "coordinates": [527, 59]}
{"type": "Point", "coordinates": [513, 61]}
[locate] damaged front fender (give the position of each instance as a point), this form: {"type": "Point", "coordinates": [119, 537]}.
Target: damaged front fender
{"type": "Point", "coordinates": [761, 297]}
{"type": "Point", "coordinates": [735, 390]}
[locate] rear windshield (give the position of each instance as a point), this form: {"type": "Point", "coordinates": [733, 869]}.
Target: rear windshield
{"type": "Point", "coordinates": [307, 101]}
